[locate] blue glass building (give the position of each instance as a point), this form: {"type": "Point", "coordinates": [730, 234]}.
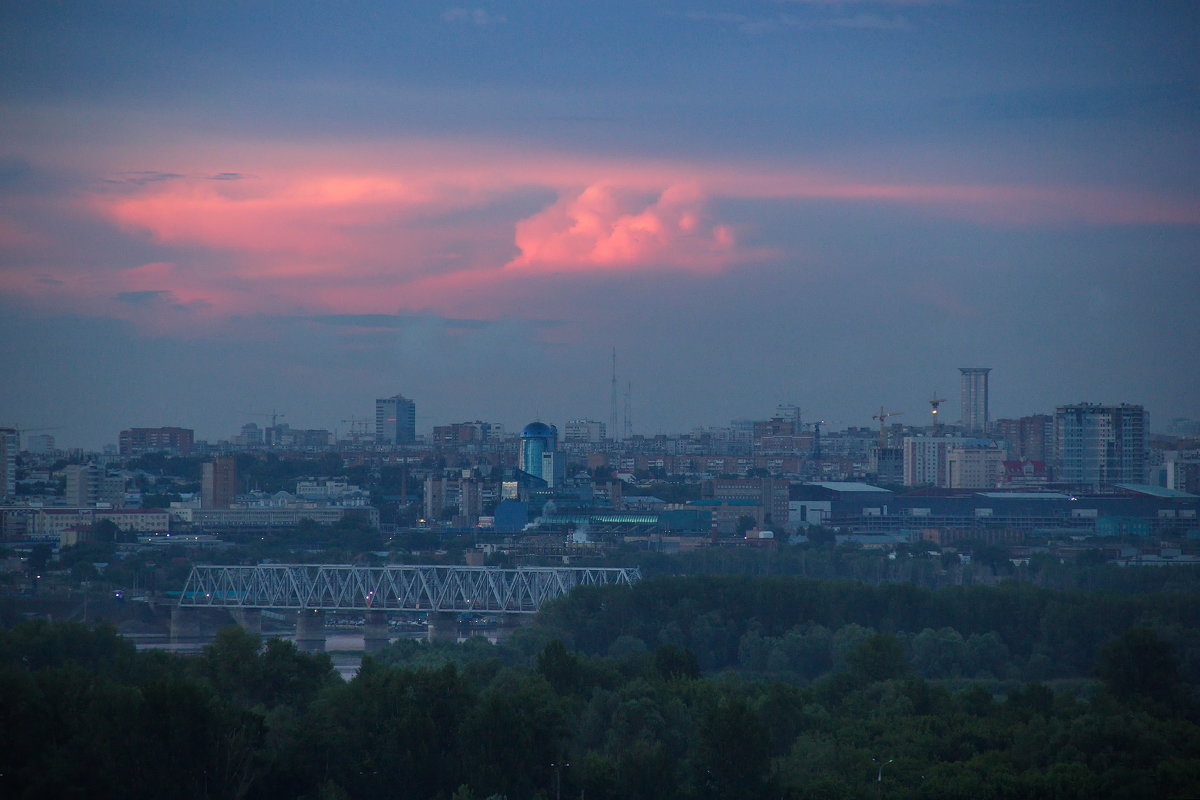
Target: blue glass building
{"type": "Point", "coordinates": [537, 439]}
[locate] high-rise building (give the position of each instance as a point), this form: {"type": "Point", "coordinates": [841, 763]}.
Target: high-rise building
{"type": "Point", "coordinates": [1029, 438]}
{"type": "Point", "coordinates": [40, 443]}
{"type": "Point", "coordinates": [537, 440]}
{"type": "Point", "coordinates": [1095, 444]}
{"type": "Point", "coordinates": [974, 467]}
{"type": "Point", "coordinates": [395, 420]}
{"type": "Point", "coordinates": [584, 431]}
{"type": "Point", "coordinates": [83, 485]}
{"type": "Point", "coordinates": [10, 443]}
{"type": "Point", "coordinates": [177, 441]}
{"type": "Point", "coordinates": [974, 400]}
{"type": "Point", "coordinates": [218, 482]}
{"type": "Point", "coordinates": [925, 459]}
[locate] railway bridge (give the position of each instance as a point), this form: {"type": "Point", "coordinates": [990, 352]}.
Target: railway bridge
{"type": "Point", "coordinates": [441, 592]}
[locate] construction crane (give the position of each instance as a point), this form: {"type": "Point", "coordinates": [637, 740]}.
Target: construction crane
{"type": "Point", "coordinates": [358, 428]}
{"type": "Point", "coordinates": [882, 416]}
{"type": "Point", "coordinates": [934, 402]}
{"type": "Point", "coordinates": [273, 414]}
{"type": "Point", "coordinates": [21, 432]}
{"type": "Point", "coordinates": [815, 453]}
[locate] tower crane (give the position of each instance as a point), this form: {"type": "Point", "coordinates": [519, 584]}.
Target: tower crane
{"type": "Point", "coordinates": [358, 428]}
{"type": "Point", "coordinates": [882, 417]}
{"type": "Point", "coordinates": [273, 414]}
{"type": "Point", "coordinates": [934, 402]}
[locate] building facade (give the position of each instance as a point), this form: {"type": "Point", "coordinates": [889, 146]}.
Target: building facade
{"type": "Point", "coordinates": [136, 441]}
{"type": "Point", "coordinates": [395, 420]}
{"type": "Point", "coordinates": [9, 444]}
{"type": "Point", "coordinates": [974, 400]}
{"type": "Point", "coordinates": [218, 482]}
{"type": "Point", "coordinates": [1029, 438]}
{"type": "Point", "coordinates": [538, 440]}
{"type": "Point", "coordinates": [584, 431]}
{"type": "Point", "coordinates": [1096, 444]}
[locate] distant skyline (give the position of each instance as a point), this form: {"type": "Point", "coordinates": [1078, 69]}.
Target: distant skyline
{"type": "Point", "coordinates": [210, 211]}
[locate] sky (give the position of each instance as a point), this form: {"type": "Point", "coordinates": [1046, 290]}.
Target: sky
{"type": "Point", "coordinates": [210, 211]}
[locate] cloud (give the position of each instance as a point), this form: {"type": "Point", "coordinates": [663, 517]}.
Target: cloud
{"type": "Point", "coordinates": [228, 176]}
{"type": "Point", "coordinates": [144, 297]}
{"type": "Point", "coordinates": [604, 227]}
{"type": "Point", "coordinates": [472, 16]}
{"type": "Point", "coordinates": [469, 231]}
{"type": "Point", "coordinates": [143, 177]}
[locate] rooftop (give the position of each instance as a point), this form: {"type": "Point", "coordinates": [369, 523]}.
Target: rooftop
{"type": "Point", "coordinates": [1157, 491]}
{"type": "Point", "coordinates": [847, 486]}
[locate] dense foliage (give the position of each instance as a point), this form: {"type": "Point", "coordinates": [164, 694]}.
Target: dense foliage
{"type": "Point", "coordinates": [680, 688]}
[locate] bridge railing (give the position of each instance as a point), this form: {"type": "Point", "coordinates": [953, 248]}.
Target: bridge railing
{"type": "Point", "coordinates": [341, 587]}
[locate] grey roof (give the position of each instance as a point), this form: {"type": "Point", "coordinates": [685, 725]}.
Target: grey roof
{"type": "Point", "coordinates": [1157, 491]}
{"type": "Point", "coordinates": [847, 486]}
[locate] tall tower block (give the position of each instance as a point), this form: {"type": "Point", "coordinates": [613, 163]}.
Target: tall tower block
{"type": "Point", "coordinates": [975, 400]}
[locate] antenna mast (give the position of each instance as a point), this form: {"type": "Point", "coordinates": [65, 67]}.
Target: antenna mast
{"type": "Point", "coordinates": [628, 411]}
{"type": "Point", "coordinates": [613, 432]}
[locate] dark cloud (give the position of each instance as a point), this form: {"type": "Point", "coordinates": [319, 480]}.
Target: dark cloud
{"type": "Point", "coordinates": [398, 321]}
{"type": "Point", "coordinates": [143, 177]}
{"type": "Point", "coordinates": [229, 176]}
{"type": "Point", "coordinates": [147, 297]}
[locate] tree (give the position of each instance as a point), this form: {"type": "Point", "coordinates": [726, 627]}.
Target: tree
{"type": "Point", "coordinates": [733, 754]}
{"type": "Point", "coordinates": [879, 658]}
{"type": "Point", "coordinates": [1139, 663]}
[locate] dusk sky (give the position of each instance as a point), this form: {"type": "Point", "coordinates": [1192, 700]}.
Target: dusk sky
{"type": "Point", "coordinates": [213, 209]}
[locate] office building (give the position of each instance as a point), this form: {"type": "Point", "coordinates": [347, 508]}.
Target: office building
{"type": "Point", "coordinates": [218, 482]}
{"type": "Point", "coordinates": [395, 420]}
{"type": "Point", "coordinates": [537, 440]}
{"type": "Point", "coordinates": [974, 400]}
{"type": "Point", "coordinates": [1097, 444]}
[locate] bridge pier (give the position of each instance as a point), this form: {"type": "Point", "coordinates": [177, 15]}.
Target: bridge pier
{"type": "Point", "coordinates": [310, 630]}
{"type": "Point", "coordinates": [185, 627]}
{"type": "Point", "coordinates": [249, 618]}
{"type": "Point", "coordinates": [375, 632]}
{"type": "Point", "coordinates": [443, 626]}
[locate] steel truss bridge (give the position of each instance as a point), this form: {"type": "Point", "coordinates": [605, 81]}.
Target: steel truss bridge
{"type": "Point", "coordinates": [340, 587]}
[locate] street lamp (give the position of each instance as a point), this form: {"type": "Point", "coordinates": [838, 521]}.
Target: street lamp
{"type": "Point", "coordinates": [879, 775]}
{"type": "Point", "coordinates": [557, 767]}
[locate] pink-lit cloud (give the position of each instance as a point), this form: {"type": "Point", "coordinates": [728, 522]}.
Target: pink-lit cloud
{"type": "Point", "coordinates": [602, 227]}
{"type": "Point", "coordinates": [458, 229]}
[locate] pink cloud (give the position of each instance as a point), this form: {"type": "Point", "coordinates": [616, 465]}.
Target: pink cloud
{"type": "Point", "coordinates": [376, 229]}
{"type": "Point", "coordinates": [603, 227]}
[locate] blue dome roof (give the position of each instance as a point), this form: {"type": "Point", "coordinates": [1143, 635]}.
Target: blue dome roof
{"type": "Point", "coordinates": [538, 430]}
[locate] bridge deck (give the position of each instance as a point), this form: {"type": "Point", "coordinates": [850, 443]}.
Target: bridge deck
{"type": "Point", "coordinates": [343, 587]}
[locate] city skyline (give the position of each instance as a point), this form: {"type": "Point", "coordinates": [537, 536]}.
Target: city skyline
{"type": "Point", "coordinates": [209, 212]}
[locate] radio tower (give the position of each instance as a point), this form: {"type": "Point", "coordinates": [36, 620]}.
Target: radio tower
{"type": "Point", "coordinates": [628, 411]}
{"type": "Point", "coordinates": [613, 432]}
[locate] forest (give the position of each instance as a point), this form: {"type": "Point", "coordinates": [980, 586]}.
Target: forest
{"type": "Point", "coordinates": [680, 687]}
